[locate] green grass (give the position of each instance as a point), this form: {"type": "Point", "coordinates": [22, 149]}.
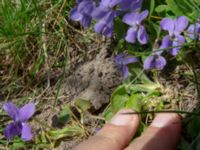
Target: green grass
{"type": "Point", "coordinates": [33, 40]}
{"type": "Point", "coordinates": [33, 46]}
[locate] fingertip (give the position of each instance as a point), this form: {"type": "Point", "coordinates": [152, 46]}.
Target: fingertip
{"type": "Point", "coordinates": [123, 119]}
{"type": "Point", "coordinates": [162, 134]}
{"type": "Point", "coordinates": [120, 130]}
{"type": "Point", "coordinates": [114, 135]}
{"type": "Point", "coordinates": [166, 119]}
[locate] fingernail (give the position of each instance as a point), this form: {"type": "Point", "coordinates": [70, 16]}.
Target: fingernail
{"type": "Point", "coordinates": [121, 119]}
{"type": "Point", "coordinates": [163, 120]}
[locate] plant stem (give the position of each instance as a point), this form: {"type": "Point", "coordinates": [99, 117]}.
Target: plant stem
{"type": "Point", "coordinates": [163, 111]}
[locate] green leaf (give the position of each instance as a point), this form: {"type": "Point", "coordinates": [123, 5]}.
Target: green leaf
{"type": "Point", "coordinates": [156, 27]}
{"type": "Point", "coordinates": [184, 145]}
{"type": "Point", "coordinates": [152, 6]}
{"type": "Point", "coordinates": [69, 131]}
{"type": "Point", "coordinates": [193, 126]}
{"type": "Point", "coordinates": [84, 105]}
{"type": "Point", "coordinates": [174, 8]}
{"type": "Point", "coordinates": [118, 102]}
{"type": "Point", "coordinates": [120, 90]}
{"type": "Point", "coordinates": [139, 74]}
{"type": "Point", "coordinates": [144, 87]}
{"type": "Point", "coordinates": [162, 8]}
{"type": "Point", "coordinates": [188, 8]}
{"type": "Point", "coordinates": [65, 115]}
{"type": "Point", "coordinates": [135, 102]}
{"type": "Point", "coordinates": [120, 29]}
{"type": "Point", "coordinates": [108, 114]}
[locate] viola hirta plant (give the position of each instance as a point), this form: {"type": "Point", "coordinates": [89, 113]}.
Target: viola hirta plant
{"type": "Point", "coordinates": [174, 27]}
{"type": "Point", "coordinates": [82, 12]}
{"type": "Point", "coordinates": [131, 5]}
{"type": "Point", "coordinates": [155, 61]}
{"type": "Point", "coordinates": [20, 116]}
{"type": "Point", "coordinates": [130, 12]}
{"type": "Point", "coordinates": [104, 14]}
{"type": "Point", "coordinates": [137, 30]}
{"type": "Point", "coordinates": [193, 31]}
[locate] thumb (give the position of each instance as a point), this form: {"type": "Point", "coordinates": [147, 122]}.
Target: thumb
{"type": "Point", "coordinates": [115, 135]}
{"type": "Point", "coordinates": [163, 134]}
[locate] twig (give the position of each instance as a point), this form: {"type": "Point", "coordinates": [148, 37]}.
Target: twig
{"type": "Point", "coordinates": [45, 54]}
{"type": "Point", "coordinates": [162, 111]}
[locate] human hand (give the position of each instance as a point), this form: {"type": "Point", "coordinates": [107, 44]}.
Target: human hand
{"type": "Point", "coordinates": [162, 134]}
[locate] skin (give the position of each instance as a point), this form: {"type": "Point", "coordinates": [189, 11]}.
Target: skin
{"type": "Point", "coordinates": [162, 134]}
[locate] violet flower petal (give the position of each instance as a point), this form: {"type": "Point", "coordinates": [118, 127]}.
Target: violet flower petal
{"type": "Point", "coordinates": [86, 21]}
{"type": "Point", "coordinates": [12, 130]}
{"type": "Point", "coordinates": [160, 62]}
{"type": "Point", "coordinates": [12, 110]}
{"type": "Point", "coordinates": [125, 71]}
{"type": "Point", "coordinates": [149, 63]}
{"type": "Point", "coordinates": [193, 31]}
{"type": "Point", "coordinates": [123, 59]}
{"type": "Point", "coordinates": [133, 5]}
{"type": "Point", "coordinates": [102, 28]}
{"type": "Point", "coordinates": [86, 7]}
{"type": "Point", "coordinates": [105, 3]}
{"type": "Point", "coordinates": [105, 25]}
{"type": "Point", "coordinates": [119, 58]}
{"type": "Point", "coordinates": [79, 1]}
{"type": "Point", "coordinates": [75, 15]}
{"type": "Point", "coordinates": [119, 67]}
{"type": "Point", "coordinates": [26, 133]}
{"type": "Point", "coordinates": [154, 62]}
{"type": "Point", "coordinates": [166, 44]}
{"type": "Point", "coordinates": [168, 25]}
{"type": "Point", "coordinates": [26, 112]}
{"type": "Point", "coordinates": [180, 24]}
{"type": "Point", "coordinates": [141, 16]}
{"type": "Point", "coordinates": [136, 6]}
{"type": "Point", "coordinates": [113, 3]}
{"type": "Point", "coordinates": [129, 59]}
{"type": "Point", "coordinates": [142, 35]}
{"type": "Point", "coordinates": [177, 43]}
{"type": "Point", "coordinates": [131, 35]}
{"type": "Point", "coordinates": [126, 4]}
{"type": "Point", "coordinates": [100, 12]}
{"type": "Point", "coordinates": [130, 18]}
{"type": "Point", "coordinates": [110, 3]}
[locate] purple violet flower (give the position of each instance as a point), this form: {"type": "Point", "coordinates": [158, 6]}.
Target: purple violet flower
{"type": "Point", "coordinates": [78, 1]}
{"type": "Point", "coordinates": [132, 5]}
{"type": "Point", "coordinates": [105, 15]}
{"type": "Point", "coordinates": [137, 30]}
{"type": "Point", "coordinates": [154, 61]}
{"type": "Point", "coordinates": [122, 60]}
{"type": "Point", "coordinates": [19, 116]}
{"type": "Point", "coordinates": [82, 12]}
{"type": "Point", "coordinates": [174, 28]}
{"type": "Point", "coordinates": [193, 31]}
{"type": "Point", "coordinates": [105, 25]}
